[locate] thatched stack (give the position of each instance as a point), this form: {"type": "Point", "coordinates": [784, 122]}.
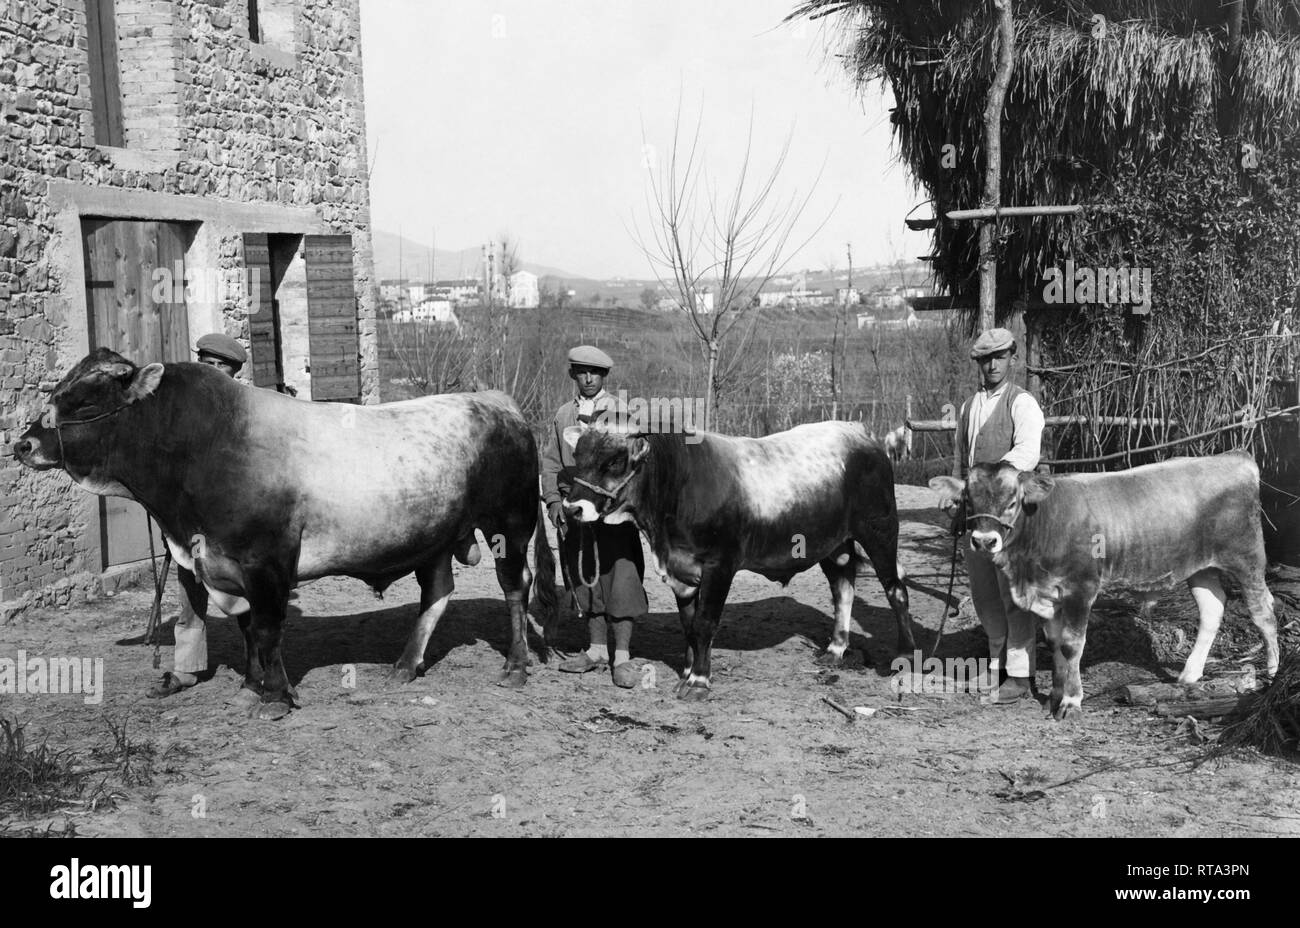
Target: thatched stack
{"type": "Point", "coordinates": [1177, 123]}
{"type": "Point", "coordinates": [1078, 107]}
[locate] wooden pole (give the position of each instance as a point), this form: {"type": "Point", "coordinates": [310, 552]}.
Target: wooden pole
{"type": "Point", "coordinates": [1006, 40]}
{"type": "Point", "coordinates": [958, 215]}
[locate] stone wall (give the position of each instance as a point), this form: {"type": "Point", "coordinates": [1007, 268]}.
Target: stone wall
{"type": "Point", "coordinates": [218, 130]}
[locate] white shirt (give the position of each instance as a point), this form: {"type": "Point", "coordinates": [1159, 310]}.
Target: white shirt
{"type": "Point", "coordinates": [587, 407]}
{"type": "Point", "coordinates": [1026, 426]}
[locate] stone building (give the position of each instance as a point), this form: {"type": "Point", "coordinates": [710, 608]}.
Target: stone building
{"type": "Point", "coordinates": [170, 168]}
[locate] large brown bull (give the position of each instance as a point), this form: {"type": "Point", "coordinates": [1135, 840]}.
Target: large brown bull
{"type": "Point", "coordinates": [255, 491]}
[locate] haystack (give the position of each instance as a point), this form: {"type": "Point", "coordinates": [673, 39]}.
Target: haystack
{"type": "Point", "coordinates": [1176, 125]}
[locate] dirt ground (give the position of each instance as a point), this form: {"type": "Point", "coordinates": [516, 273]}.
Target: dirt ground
{"type": "Point", "coordinates": [454, 754]}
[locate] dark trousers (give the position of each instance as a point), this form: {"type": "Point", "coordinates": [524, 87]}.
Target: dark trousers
{"type": "Point", "coordinates": [610, 556]}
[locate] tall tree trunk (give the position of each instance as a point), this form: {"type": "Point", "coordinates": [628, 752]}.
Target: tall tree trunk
{"type": "Point", "coordinates": [1006, 41]}
{"type": "Point", "coordinates": [710, 388]}
{"type": "Point", "coordinates": [1229, 62]}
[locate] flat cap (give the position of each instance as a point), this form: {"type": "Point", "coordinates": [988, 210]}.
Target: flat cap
{"type": "Point", "coordinates": [222, 346]}
{"type": "Point", "coordinates": [589, 356]}
{"type": "Point", "coordinates": [992, 340]}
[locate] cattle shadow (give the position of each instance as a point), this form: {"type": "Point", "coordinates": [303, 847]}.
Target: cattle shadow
{"type": "Point", "coordinates": [929, 515]}
{"type": "Point", "coordinates": [372, 636]}
{"type": "Point", "coordinates": [764, 624]}
{"type": "Point", "coordinates": [377, 636]}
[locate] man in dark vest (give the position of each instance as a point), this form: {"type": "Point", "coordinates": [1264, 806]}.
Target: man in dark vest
{"type": "Point", "coordinates": [1001, 422]}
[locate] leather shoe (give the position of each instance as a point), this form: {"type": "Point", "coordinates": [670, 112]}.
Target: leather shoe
{"type": "Point", "coordinates": [582, 664]}
{"type": "Point", "coordinates": [170, 685]}
{"type": "Point", "coordinates": [627, 674]}
{"type": "Point", "coordinates": [1012, 690]}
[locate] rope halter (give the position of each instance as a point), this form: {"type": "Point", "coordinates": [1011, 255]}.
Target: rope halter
{"type": "Point", "coordinates": [610, 495]}
{"type": "Point", "coordinates": [58, 430]}
{"type": "Point", "coordinates": [1009, 526]}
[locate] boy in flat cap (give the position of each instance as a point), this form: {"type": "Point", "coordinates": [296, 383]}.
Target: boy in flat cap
{"type": "Point", "coordinates": [1001, 422]}
{"type": "Point", "coordinates": [618, 593]}
{"type": "Point", "coordinates": [191, 630]}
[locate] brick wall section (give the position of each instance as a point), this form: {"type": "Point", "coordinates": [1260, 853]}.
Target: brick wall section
{"type": "Point", "coordinates": [150, 46]}
{"type": "Point", "coordinates": [215, 117]}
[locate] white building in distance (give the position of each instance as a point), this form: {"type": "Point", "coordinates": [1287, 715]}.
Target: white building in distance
{"type": "Point", "coordinates": [429, 311]}
{"type": "Point", "coordinates": [524, 293]}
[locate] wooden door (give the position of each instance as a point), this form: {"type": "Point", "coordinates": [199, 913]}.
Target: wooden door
{"type": "Point", "coordinates": [141, 315]}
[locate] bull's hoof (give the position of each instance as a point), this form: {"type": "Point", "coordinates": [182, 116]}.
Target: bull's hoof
{"type": "Point", "coordinates": [246, 699]}
{"type": "Point", "coordinates": [269, 711]}
{"type": "Point", "coordinates": [689, 690]}
{"type": "Point", "coordinates": [1066, 710]}
{"type": "Point", "coordinates": [513, 678]}
{"type": "Point", "coordinates": [402, 675]}
{"type": "Point", "coordinates": [829, 658]}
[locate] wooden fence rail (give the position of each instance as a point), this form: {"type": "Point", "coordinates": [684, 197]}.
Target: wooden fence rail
{"type": "Point", "coordinates": [1240, 419]}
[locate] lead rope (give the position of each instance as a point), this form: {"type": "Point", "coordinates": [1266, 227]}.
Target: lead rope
{"type": "Point", "coordinates": [562, 531]}
{"type": "Point", "coordinates": [151, 635]}
{"type": "Point", "coordinates": [595, 553]}
{"type": "Point", "coordinates": [952, 575]}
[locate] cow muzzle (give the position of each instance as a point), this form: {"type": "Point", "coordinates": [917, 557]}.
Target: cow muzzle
{"type": "Point", "coordinates": [29, 453]}
{"type": "Point", "coordinates": [583, 510]}
{"type": "Point", "coordinates": [988, 542]}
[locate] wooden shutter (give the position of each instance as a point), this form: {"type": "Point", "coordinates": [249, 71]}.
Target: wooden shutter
{"type": "Point", "coordinates": [263, 324]}
{"type": "Point", "coordinates": [254, 24]}
{"type": "Point", "coordinates": [332, 318]}
{"type": "Point", "coordinates": [105, 82]}
{"type": "Point", "coordinates": [140, 315]}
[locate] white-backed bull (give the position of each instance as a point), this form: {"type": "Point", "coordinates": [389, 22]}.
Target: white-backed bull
{"type": "Point", "coordinates": [255, 491]}
{"type": "Point", "coordinates": [712, 505]}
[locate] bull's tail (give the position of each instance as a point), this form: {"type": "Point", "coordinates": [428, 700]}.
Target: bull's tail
{"type": "Point", "coordinates": [548, 607]}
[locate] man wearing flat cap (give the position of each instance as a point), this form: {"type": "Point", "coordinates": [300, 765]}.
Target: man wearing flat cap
{"type": "Point", "coordinates": [191, 630]}
{"type": "Point", "coordinates": [614, 595]}
{"type": "Point", "coordinates": [222, 352]}
{"type": "Point", "coordinates": [1001, 422]}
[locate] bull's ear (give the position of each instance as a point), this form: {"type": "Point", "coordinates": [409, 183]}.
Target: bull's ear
{"type": "Point", "coordinates": [118, 370]}
{"type": "Point", "coordinates": [637, 450]}
{"type": "Point", "coordinates": [1036, 486]}
{"type": "Point", "coordinates": [146, 381]}
{"type": "Point", "coordinates": [571, 436]}
{"type": "Point", "coordinates": [949, 490]}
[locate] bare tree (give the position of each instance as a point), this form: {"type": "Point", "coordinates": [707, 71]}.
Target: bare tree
{"type": "Point", "coordinates": [703, 240]}
{"type": "Point", "coordinates": [432, 357]}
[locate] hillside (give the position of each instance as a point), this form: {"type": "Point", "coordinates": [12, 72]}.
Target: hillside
{"type": "Point", "coordinates": [401, 257]}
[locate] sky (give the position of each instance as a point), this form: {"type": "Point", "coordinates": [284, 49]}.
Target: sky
{"type": "Point", "coordinates": [538, 118]}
